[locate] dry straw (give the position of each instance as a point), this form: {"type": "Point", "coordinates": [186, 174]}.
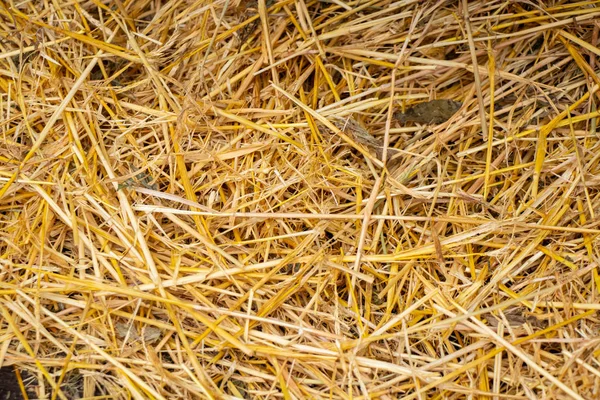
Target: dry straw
{"type": "Point", "coordinates": [214, 199]}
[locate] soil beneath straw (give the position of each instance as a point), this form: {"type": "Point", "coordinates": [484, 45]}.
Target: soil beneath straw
{"type": "Point", "coordinates": [9, 386]}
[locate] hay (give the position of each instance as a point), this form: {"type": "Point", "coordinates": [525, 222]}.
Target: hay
{"type": "Point", "coordinates": [214, 199]}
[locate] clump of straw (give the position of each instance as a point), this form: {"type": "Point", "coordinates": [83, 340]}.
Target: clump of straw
{"type": "Point", "coordinates": [213, 199]}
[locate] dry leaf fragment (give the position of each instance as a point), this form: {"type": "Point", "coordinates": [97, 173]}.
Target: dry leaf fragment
{"type": "Point", "coordinates": [356, 131]}
{"type": "Point", "coordinates": [126, 330]}
{"type": "Point", "coordinates": [149, 333]}
{"type": "Point", "coordinates": [430, 112]}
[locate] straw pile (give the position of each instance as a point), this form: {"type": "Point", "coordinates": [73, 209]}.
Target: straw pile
{"type": "Point", "coordinates": [197, 200]}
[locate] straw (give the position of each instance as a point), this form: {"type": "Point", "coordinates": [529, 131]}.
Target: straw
{"type": "Point", "coordinates": [217, 200]}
